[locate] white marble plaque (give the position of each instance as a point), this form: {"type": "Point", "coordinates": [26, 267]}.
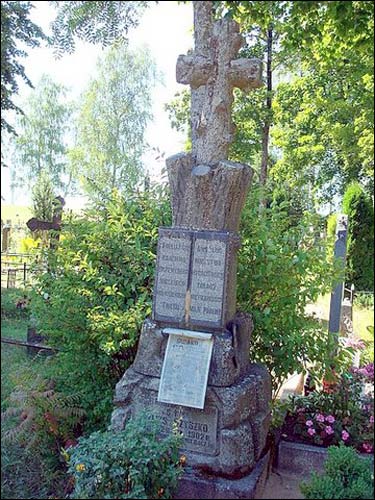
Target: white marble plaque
{"type": "Point", "coordinates": [172, 276]}
{"type": "Point", "coordinates": [185, 369]}
{"type": "Point", "coordinates": [207, 284]}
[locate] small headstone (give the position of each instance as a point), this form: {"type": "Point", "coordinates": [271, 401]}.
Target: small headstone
{"type": "Point", "coordinates": [11, 279]}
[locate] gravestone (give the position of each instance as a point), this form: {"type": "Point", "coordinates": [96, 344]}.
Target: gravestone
{"type": "Point", "coordinates": [192, 364]}
{"type": "Point", "coordinates": [338, 291]}
{"type": "Point", "coordinates": [5, 235]}
{"type": "Point", "coordinates": [35, 224]}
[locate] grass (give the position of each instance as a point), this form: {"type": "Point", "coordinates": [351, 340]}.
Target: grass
{"type": "Point", "coordinates": [362, 317]}
{"type": "Point", "coordinates": [23, 474]}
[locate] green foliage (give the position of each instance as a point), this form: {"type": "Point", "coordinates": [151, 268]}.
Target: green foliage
{"type": "Point", "coordinates": [43, 197]}
{"type": "Point", "coordinates": [15, 28]}
{"type": "Point", "coordinates": [14, 303]}
{"type": "Point", "coordinates": [325, 115]}
{"type": "Point", "coordinates": [331, 226]}
{"type": "Point", "coordinates": [282, 268]}
{"type": "Point", "coordinates": [133, 463]}
{"type": "Point", "coordinates": [346, 475]}
{"type": "Point", "coordinates": [364, 300]}
{"type": "Point", "coordinates": [179, 114]}
{"type": "Point", "coordinates": [360, 247]}
{"type": "Point", "coordinates": [93, 301]}
{"type": "Point", "coordinates": [95, 22]}
{"type": "Point", "coordinates": [115, 111]}
{"type": "Point", "coordinates": [41, 144]}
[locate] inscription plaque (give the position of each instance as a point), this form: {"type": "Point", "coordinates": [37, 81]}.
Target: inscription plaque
{"type": "Point", "coordinates": [198, 427]}
{"type": "Point", "coordinates": [185, 369]}
{"type": "Point", "coordinates": [207, 283]}
{"type": "Point", "coordinates": [193, 268]}
{"type": "Point", "coordinates": [174, 250]}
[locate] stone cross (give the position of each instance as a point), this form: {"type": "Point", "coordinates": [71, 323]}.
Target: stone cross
{"type": "Point", "coordinates": [213, 71]}
{"type": "Point", "coordinates": [192, 364]}
{"type": "Point", "coordinates": [35, 224]}
{"type": "Point", "coordinates": [208, 191]}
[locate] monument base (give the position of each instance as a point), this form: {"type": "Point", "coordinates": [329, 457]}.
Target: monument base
{"type": "Point", "coordinates": [194, 484]}
{"type": "Point", "coordinates": [225, 438]}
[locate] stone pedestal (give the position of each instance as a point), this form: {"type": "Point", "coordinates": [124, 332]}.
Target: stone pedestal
{"type": "Point", "coordinates": [228, 436]}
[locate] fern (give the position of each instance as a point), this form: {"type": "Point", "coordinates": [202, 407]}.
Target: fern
{"type": "Point", "coordinates": [41, 414]}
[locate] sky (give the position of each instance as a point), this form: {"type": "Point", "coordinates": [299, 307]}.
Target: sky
{"type": "Point", "coordinates": [166, 28]}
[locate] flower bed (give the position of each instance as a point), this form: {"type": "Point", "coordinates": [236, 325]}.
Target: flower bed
{"type": "Point", "coordinates": [342, 412]}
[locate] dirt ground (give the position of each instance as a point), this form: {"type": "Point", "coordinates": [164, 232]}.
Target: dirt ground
{"type": "Point", "coordinates": [282, 486]}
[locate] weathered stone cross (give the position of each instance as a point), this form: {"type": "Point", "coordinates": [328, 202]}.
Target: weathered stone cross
{"type": "Point", "coordinates": [208, 191]}
{"type": "Point", "coordinates": [212, 72]}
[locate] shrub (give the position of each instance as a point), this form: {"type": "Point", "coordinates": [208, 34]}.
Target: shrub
{"type": "Point", "coordinates": [364, 300]}
{"type": "Point", "coordinates": [97, 292]}
{"type": "Point", "coordinates": [360, 250]}
{"type": "Point", "coordinates": [133, 463]}
{"type": "Point", "coordinates": [282, 268]}
{"type": "Point", "coordinates": [346, 475]}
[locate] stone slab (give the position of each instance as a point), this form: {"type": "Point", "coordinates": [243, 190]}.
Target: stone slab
{"type": "Point", "coordinates": [196, 485]}
{"type": "Point", "coordinates": [195, 278]}
{"type": "Point", "coordinates": [296, 458]}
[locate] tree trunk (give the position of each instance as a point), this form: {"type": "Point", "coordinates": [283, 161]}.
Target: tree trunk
{"type": "Point", "coordinates": [267, 121]}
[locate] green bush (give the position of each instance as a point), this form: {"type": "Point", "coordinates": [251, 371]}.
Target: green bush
{"type": "Point", "coordinates": [282, 268]}
{"type": "Point", "coordinates": [133, 463]}
{"type": "Point", "coordinates": [92, 302]}
{"type": "Point", "coordinates": [346, 475]}
{"type": "Point", "coordinates": [14, 303]}
{"type": "Point", "coordinates": [360, 251]}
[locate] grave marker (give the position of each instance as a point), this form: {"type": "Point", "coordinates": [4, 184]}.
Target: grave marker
{"type": "Point", "coordinates": [223, 400]}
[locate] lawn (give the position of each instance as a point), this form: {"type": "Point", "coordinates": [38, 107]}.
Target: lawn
{"type": "Point", "coordinates": [22, 473]}
{"type": "Point", "coordinates": [362, 317]}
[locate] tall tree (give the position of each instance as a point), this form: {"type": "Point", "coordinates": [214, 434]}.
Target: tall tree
{"type": "Point", "coordinates": [41, 143]}
{"type": "Point", "coordinates": [326, 113]}
{"type": "Point", "coordinates": [113, 117]}
{"type": "Point", "coordinates": [95, 22]}
{"type": "Point", "coordinates": [16, 27]}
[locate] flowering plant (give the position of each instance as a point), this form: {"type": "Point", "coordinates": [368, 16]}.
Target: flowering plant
{"type": "Point", "coordinates": [345, 414]}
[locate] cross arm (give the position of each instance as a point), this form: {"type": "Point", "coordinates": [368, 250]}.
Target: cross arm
{"type": "Point", "coordinates": [193, 70]}
{"type": "Point", "coordinates": [246, 73]}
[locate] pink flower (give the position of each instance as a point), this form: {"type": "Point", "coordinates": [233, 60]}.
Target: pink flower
{"type": "Point", "coordinates": [330, 419]}
{"type": "Point", "coordinates": [354, 343]}
{"type": "Point", "coordinates": [309, 423]}
{"type": "Point", "coordinates": [311, 431]}
{"type": "Point", "coordinates": [345, 435]}
{"type": "Point", "coordinates": [372, 419]}
{"type": "Point", "coordinates": [367, 447]}
{"type": "Point", "coordinates": [329, 430]}
{"type": "Point", "coordinates": [320, 417]}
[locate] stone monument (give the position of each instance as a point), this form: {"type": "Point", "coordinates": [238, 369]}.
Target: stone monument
{"type": "Point", "coordinates": [192, 363]}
